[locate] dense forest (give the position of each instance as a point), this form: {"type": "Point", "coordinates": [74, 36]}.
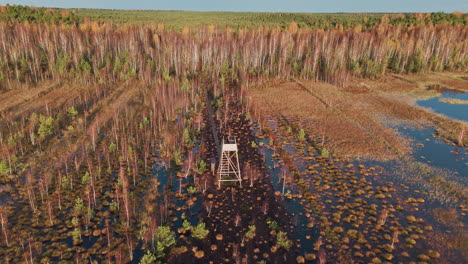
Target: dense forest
{"type": "Point", "coordinates": [17, 13]}
{"type": "Point", "coordinates": [103, 52]}
{"type": "Point", "coordinates": [178, 20]}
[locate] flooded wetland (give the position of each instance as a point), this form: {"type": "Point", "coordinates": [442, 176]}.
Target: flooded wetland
{"type": "Point", "coordinates": [394, 191]}
{"type": "Point", "coordinates": [223, 137]}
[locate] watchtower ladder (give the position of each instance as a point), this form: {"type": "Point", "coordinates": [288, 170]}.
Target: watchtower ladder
{"type": "Point", "coordinates": [229, 169]}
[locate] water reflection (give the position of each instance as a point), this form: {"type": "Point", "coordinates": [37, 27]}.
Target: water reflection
{"type": "Point", "coordinates": [443, 90]}
{"type": "Point", "coordinates": [457, 109]}
{"type": "Point", "coordinates": [435, 151]}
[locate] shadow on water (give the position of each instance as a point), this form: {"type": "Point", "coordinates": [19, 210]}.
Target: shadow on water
{"type": "Point", "coordinates": [441, 105]}
{"type": "Point", "coordinates": [169, 187]}
{"type": "Point", "coordinates": [303, 235]}
{"type": "Point", "coordinates": [5, 198]}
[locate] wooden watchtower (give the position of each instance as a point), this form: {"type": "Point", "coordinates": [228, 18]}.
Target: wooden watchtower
{"type": "Point", "coordinates": [229, 169]}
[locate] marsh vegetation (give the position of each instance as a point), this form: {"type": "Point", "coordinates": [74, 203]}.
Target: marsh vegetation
{"type": "Point", "coordinates": [108, 132]}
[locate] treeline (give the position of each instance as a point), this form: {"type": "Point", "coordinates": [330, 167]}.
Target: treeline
{"type": "Point", "coordinates": [455, 18]}
{"type": "Point", "coordinates": [18, 13]}
{"type": "Point", "coordinates": [363, 21]}
{"type": "Point", "coordinates": [177, 20]}
{"type": "Point", "coordinates": [106, 53]}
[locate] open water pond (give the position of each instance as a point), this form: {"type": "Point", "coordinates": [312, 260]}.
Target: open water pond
{"type": "Point", "coordinates": [452, 103]}
{"type": "Point", "coordinates": [435, 151]}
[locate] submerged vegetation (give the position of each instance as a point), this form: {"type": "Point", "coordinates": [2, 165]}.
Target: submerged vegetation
{"type": "Point", "coordinates": [110, 133]}
{"type": "Point", "coordinates": [453, 101]}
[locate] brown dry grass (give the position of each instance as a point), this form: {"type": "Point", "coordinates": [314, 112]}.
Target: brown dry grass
{"type": "Point", "coordinates": [339, 115]}
{"type": "Point", "coordinates": [351, 117]}
{"type": "Point", "coordinates": [396, 96]}
{"type": "Point", "coordinates": [22, 95]}
{"type": "Point", "coordinates": [63, 146]}
{"type": "Point", "coordinates": [118, 99]}
{"type": "Point", "coordinates": [453, 101]}
{"type": "Point", "coordinates": [29, 99]}
{"type": "Point", "coordinates": [396, 83]}
{"type": "Point", "coordinates": [456, 81]}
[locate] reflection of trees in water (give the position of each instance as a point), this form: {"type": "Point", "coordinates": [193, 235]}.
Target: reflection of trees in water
{"type": "Point", "coordinates": [442, 89]}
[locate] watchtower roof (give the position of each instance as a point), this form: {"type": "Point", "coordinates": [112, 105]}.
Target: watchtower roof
{"type": "Point", "coordinates": [230, 145]}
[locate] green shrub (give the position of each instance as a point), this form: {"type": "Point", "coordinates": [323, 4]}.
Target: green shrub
{"type": "Point", "coordinates": [65, 183]}
{"type": "Point", "coordinates": [324, 153]}
{"type": "Point", "coordinates": [199, 231]}
{"type": "Point", "coordinates": [75, 221]}
{"type": "Point", "coordinates": [76, 234]}
{"type": "Point", "coordinates": [113, 205]}
{"type": "Point", "coordinates": [165, 238]}
{"type": "Point", "coordinates": [85, 179]}
{"type": "Point", "coordinates": [79, 206]}
{"type": "Point", "coordinates": [90, 213]}
{"type": "Point", "coordinates": [62, 63]}
{"type": "Point", "coordinates": [177, 158]}
{"type": "Point", "coordinates": [251, 233]}
{"type": "Point", "coordinates": [4, 169]}
{"type": "Point", "coordinates": [283, 241]}
{"type": "Point", "coordinates": [85, 66]}
{"type": "Point", "coordinates": [417, 62]}
{"type": "Point", "coordinates": [201, 166]}
{"type": "Point", "coordinates": [254, 145]}
{"type": "Point", "coordinates": [46, 126]}
{"type": "Point", "coordinates": [272, 224]}
{"type": "Point", "coordinates": [112, 147]}
{"type": "Point", "coordinates": [192, 190]}
{"type": "Point", "coordinates": [186, 226]}
{"type": "Point", "coordinates": [72, 112]}
{"type": "Point", "coordinates": [301, 134]}
{"type": "Point", "coordinates": [148, 258]}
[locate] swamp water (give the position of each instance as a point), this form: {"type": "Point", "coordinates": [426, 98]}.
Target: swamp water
{"type": "Point", "coordinates": [428, 150]}
{"type": "Point", "coordinates": [452, 103]}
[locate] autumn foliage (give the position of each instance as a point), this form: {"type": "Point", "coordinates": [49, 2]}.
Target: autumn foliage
{"type": "Point", "coordinates": [106, 53]}
{"type": "Point", "coordinates": [126, 104]}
